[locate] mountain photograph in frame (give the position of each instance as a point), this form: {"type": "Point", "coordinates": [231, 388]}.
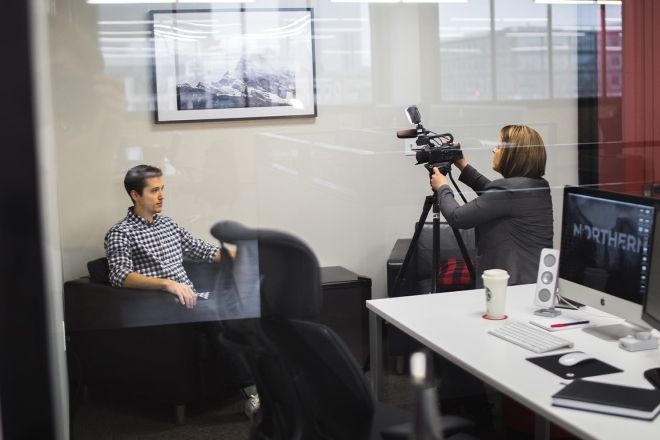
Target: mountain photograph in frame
{"type": "Point", "coordinates": [233, 64]}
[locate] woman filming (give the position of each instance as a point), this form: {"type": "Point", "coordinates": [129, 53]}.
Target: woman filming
{"type": "Point", "coordinates": [513, 215]}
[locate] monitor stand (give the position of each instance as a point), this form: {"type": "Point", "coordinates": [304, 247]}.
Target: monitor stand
{"type": "Point", "coordinates": [614, 332]}
{"type": "Point", "coordinates": [550, 312]}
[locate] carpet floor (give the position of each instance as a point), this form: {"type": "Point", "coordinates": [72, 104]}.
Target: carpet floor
{"type": "Point", "coordinates": [116, 418]}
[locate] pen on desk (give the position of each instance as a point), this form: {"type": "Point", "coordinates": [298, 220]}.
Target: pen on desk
{"type": "Point", "coordinates": [568, 323]}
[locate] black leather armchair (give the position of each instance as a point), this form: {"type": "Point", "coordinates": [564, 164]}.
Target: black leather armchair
{"type": "Point", "coordinates": [417, 279]}
{"type": "Point", "coordinates": [143, 343]}
{"type": "Point", "coordinates": [310, 386]}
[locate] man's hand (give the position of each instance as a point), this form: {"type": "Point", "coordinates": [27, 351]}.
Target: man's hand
{"type": "Point", "coordinates": [218, 254]}
{"type": "Point", "coordinates": [183, 292]}
{"type": "Point", "coordinates": [438, 179]}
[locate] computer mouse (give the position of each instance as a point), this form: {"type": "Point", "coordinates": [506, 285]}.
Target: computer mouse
{"type": "Point", "coordinates": [574, 358]}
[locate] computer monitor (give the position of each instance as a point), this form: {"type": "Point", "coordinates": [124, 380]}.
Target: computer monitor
{"type": "Point", "coordinates": [651, 308]}
{"type": "Point", "coordinates": [605, 257]}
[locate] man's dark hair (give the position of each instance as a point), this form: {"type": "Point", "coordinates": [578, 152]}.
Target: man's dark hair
{"type": "Point", "coordinates": [136, 178]}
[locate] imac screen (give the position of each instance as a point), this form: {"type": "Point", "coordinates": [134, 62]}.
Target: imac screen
{"type": "Point", "coordinates": [651, 310]}
{"type": "Point", "coordinates": [605, 243]}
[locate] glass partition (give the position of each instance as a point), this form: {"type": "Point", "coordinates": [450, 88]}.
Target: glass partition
{"type": "Point", "coordinates": [340, 180]}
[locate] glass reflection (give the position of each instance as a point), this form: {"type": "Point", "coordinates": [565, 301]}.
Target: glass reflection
{"type": "Point", "coordinates": [519, 50]}
{"type": "Point", "coordinates": [466, 65]}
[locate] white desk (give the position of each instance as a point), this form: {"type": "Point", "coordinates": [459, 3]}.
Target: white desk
{"type": "Point", "coordinates": [451, 324]}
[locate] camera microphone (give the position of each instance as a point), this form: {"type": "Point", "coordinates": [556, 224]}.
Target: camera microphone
{"type": "Point", "coordinates": [407, 134]}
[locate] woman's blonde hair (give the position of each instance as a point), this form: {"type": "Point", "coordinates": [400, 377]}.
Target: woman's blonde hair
{"type": "Point", "coordinates": [523, 153]}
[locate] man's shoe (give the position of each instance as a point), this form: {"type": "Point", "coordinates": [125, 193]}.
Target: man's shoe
{"type": "Point", "coordinates": [251, 405]}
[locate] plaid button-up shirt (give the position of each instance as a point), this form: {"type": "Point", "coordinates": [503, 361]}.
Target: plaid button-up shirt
{"type": "Point", "coordinates": [153, 249]}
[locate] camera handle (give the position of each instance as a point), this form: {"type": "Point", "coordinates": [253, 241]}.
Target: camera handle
{"type": "Point", "coordinates": [432, 202]}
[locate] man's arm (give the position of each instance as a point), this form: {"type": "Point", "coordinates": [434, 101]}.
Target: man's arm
{"type": "Point", "coordinates": [197, 249]}
{"type": "Point", "coordinates": [118, 252]}
{"type": "Point", "coordinates": [120, 262]}
{"type": "Point", "coordinates": [218, 255]}
{"type": "Point", "coordinates": [183, 292]}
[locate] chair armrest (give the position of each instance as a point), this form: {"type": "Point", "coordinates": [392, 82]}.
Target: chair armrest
{"type": "Point", "coordinates": [399, 250]}
{"type": "Point", "coordinates": [90, 305]}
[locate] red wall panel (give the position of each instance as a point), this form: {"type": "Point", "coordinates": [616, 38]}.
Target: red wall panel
{"type": "Point", "coordinates": [640, 113]}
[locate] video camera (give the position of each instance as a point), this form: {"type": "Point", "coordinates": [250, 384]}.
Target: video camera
{"type": "Point", "coordinates": [435, 150]}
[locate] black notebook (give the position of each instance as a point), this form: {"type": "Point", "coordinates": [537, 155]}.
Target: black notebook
{"type": "Point", "coordinates": [639, 403]}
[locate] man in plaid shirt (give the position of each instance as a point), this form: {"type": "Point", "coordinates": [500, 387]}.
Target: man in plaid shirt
{"type": "Point", "coordinates": [145, 250]}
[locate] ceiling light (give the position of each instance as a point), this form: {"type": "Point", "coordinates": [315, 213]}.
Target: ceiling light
{"type": "Point", "coordinates": [119, 2]}
{"type": "Point", "coordinates": [578, 2]}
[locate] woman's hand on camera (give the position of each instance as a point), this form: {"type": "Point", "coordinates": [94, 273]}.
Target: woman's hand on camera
{"type": "Point", "coordinates": [438, 179]}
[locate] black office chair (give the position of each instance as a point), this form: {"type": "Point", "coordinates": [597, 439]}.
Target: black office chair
{"type": "Point", "coordinates": [309, 384]}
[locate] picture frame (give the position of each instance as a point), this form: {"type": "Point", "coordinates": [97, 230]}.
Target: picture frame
{"type": "Point", "coordinates": [212, 65]}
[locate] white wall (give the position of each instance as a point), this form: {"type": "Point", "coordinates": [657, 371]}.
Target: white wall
{"type": "Point", "coordinates": [340, 180]}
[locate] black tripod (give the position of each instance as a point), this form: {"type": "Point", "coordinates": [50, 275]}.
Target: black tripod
{"type": "Point", "coordinates": [432, 201]}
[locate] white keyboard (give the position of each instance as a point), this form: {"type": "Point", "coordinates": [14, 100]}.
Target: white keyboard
{"type": "Point", "coordinates": [536, 340]}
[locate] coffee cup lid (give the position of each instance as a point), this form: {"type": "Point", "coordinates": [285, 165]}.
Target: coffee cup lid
{"type": "Point", "coordinates": [495, 273]}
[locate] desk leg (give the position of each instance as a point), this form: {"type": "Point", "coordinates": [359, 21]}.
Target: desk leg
{"type": "Point", "coordinates": [376, 354]}
{"type": "Point", "coordinates": [541, 428]}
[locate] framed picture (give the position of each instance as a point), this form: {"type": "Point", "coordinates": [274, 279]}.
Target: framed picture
{"type": "Point", "coordinates": [233, 64]}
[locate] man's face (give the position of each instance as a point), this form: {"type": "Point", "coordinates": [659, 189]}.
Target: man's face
{"type": "Point", "coordinates": [151, 200]}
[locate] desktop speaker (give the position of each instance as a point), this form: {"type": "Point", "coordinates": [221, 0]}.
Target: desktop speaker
{"type": "Point", "coordinates": [546, 280]}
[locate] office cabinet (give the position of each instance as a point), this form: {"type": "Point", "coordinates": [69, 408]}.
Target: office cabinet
{"type": "Point", "coordinates": [344, 309]}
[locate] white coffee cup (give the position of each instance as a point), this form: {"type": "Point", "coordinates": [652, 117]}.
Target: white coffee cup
{"type": "Point", "coordinates": [495, 282]}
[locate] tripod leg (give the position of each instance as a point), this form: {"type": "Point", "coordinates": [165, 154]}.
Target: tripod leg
{"type": "Point", "coordinates": [466, 257]}
{"type": "Point", "coordinates": [428, 202]}
{"type": "Point", "coordinates": [436, 244]}
{"type": "Point", "coordinates": [461, 243]}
